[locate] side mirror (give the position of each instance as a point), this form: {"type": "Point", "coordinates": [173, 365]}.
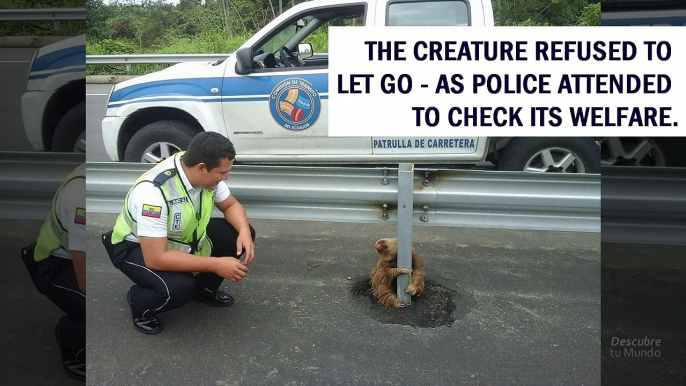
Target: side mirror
{"type": "Point", "coordinates": [300, 24]}
{"type": "Point", "coordinates": [243, 61]}
{"type": "Point", "coordinates": [305, 50]}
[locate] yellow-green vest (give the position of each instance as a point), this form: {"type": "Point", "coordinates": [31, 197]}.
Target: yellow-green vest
{"type": "Point", "coordinates": [53, 234]}
{"type": "Point", "coordinates": [186, 225]}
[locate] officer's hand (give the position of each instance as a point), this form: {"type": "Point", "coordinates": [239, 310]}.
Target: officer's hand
{"type": "Point", "coordinates": [231, 269]}
{"type": "Point", "coordinates": [244, 242]}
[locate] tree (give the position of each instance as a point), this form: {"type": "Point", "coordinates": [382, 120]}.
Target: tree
{"type": "Point", "coordinates": [590, 16]}
{"type": "Point", "coordinates": [540, 12]}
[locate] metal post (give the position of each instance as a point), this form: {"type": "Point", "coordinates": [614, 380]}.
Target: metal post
{"type": "Point", "coordinates": [405, 205]}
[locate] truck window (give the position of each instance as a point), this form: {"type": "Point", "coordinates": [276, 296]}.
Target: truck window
{"type": "Point", "coordinates": [273, 44]}
{"type": "Point", "coordinates": [320, 37]}
{"type": "Point", "coordinates": [428, 13]}
{"type": "Point", "coordinates": [312, 28]}
{"type": "Point", "coordinates": [643, 12]}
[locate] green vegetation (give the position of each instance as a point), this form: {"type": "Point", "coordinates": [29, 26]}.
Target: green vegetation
{"type": "Point", "coordinates": [221, 26]}
{"type": "Point", "coordinates": [68, 28]}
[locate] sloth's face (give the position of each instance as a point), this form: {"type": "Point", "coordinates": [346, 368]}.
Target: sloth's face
{"type": "Point", "coordinates": [387, 249]}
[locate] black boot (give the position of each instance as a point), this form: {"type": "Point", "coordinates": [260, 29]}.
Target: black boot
{"type": "Point", "coordinates": [74, 364]}
{"type": "Point", "coordinates": [150, 325]}
{"type": "Point", "coordinates": [216, 298]}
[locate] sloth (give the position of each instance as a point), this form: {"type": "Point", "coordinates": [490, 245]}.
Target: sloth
{"type": "Point", "coordinates": [385, 272]}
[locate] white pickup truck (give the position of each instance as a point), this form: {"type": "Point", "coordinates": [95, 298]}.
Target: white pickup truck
{"type": "Point", "coordinates": [54, 105]}
{"type": "Point", "coordinates": [271, 96]}
{"type": "Point", "coordinates": [651, 151]}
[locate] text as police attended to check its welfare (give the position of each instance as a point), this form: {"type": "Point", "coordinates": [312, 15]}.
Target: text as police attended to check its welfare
{"type": "Point", "coordinates": [521, 83]}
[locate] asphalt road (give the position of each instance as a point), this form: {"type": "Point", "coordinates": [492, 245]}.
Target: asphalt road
{"type": "Point", "coordinates": [14, 66]}
{"type": "Point", "coordinates": [643, 297]}
{"type": "Point", "coordinates": [29, 355]}
{"type": "Point", "coordinates": [513, 307]}
{"type": "Point", "coordinates": [96, 99]}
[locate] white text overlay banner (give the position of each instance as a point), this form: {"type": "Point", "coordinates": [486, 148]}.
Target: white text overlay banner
{"type": "Point", "coordinates": [507, 81]}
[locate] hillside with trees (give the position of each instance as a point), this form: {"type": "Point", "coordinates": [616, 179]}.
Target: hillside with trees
{"type": "Point", "coordinates": [221, 26]}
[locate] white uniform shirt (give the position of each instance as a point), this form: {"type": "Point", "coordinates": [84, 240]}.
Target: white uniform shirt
{"type": "Point", "coordinates": [147, 193]}
{"type": "Point", "coordinates": [71, 211]}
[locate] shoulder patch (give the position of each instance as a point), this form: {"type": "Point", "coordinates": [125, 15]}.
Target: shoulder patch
{"type": "Point", "coordinates": [164, 176]}
{"type": "Point", "coordinates": [152, 211]}
{"type": "Point", "coordinates": [80, 217]}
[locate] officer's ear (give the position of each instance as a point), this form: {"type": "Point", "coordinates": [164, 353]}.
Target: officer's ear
{"type": "Point", "coordinates": [202, 168]}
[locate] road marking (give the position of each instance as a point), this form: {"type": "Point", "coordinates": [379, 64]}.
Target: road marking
{"type": "Point", "coordinates": [97, 94]}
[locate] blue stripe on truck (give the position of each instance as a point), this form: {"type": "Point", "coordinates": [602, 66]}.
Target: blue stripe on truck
{"type": "Point", "coordinates": [60, 59]}
{"type": "Point", "coordinates": [254, 88]}
{"type": "Point", "coordinates": [194, 99]}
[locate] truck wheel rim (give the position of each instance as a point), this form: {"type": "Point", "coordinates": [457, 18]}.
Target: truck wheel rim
{"type": "Point", "coordinates": [555, 160]}
{"type": "Point", "coordinates": [159, 151]}
{"type": "Point", "coordinates": [80, 145]}
{"type": "Point", "coordinates": [631, 151]}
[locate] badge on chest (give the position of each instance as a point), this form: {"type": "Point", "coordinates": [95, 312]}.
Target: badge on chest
{"type": "Point", "coordinates": [176, 223]}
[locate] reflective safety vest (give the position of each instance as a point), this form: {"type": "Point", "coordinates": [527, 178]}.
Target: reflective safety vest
{"type": "Point", "coordinates": [186, 224]}
{"type": "Point", "coordinates": [53, 234]}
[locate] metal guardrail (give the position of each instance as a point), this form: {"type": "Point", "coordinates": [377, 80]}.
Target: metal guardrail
{"type": "Point", "coordinates": [456, 198]}
{"type": "Point", "coordinates": [152, 58]}
{"type": "Point", "coordinates": [130, 59]}
{"type": "Point", "coordinates": [644, 205]}
{"type": "Point", "coordinates": [44, 14]}
{"type": "Point", "coordinates": [28, 181]}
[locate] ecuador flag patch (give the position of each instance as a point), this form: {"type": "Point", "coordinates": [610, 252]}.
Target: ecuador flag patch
{"type": "Point", "coordinates": [80, 217]}
{"type": "Point", "coordinates": [152, 211]}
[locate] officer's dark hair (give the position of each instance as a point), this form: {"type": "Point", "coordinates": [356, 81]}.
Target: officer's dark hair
{"type": "Point", "coordinates": [209, 148]}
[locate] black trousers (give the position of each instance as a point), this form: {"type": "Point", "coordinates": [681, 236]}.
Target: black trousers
{"type": "Point", "coordinates": [56, 279]}
{"type": "Point", "coordinates": [159, 291]}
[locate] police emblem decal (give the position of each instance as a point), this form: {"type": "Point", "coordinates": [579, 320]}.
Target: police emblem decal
{"type": "Point", "coordinates": [294, 104]}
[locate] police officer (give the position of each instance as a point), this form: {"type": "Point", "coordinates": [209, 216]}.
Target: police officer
{"type": "Point", "coordinates": [57, 263]}
{"type": "Point", "coordinates": [164, 234]}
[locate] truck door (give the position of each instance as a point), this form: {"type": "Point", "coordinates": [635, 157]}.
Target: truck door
{"type": "Point", "coordinates": [436, 13]}
{"type": "Point", "coordinates": [278, 111]}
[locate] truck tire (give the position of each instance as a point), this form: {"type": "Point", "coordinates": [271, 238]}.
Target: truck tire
{"type": "Point", "coordinates": [546, 154]}
{"type": "Point", "coordinates": [159, 140]}
{"type": "Point", "coordinates": [70, 133]}
{"type": "Point", "coordinates": [641, 151]}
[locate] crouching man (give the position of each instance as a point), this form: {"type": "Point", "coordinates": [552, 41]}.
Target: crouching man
{"type": "Point", "coordinates": [57, 265]}
{"type": "Point", "coordinates": [164, 235]}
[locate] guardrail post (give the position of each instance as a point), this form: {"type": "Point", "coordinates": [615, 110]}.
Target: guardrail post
{"type": "Point", "coordinates": [405, 213]}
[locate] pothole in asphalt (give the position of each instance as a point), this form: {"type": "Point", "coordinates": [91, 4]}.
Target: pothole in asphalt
{"type": "Point", "coordinates": [437, 306]}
